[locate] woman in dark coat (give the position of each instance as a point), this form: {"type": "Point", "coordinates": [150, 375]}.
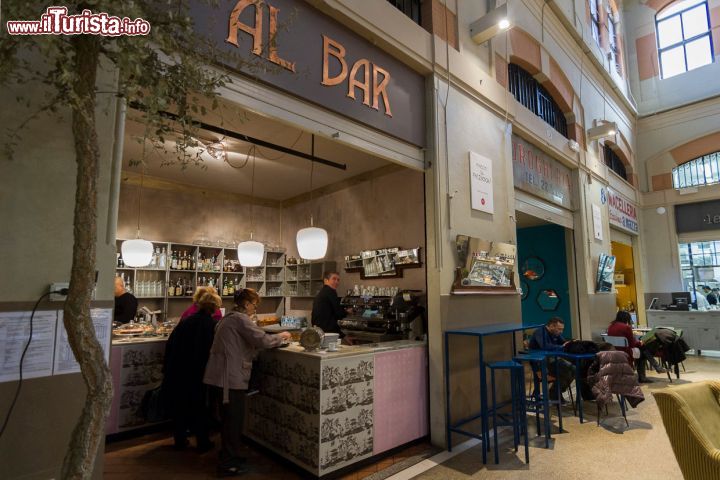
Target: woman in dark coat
{"type": "Point", "coordinates": [186, 355]}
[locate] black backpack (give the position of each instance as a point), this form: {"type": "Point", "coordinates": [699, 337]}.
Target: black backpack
{"type": "Point", "coordinates": [581, 346]}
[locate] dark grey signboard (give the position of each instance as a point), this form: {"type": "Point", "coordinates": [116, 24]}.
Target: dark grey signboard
{"type": "Point", "coordinates": [308, 54]}
{"type": "Point", "coordinates": [697, 217]}
{"type": "Point", "coordinates": [539, 174]}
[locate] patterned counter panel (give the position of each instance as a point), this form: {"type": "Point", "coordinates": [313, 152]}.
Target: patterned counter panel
{"type": "Point", "coordinates": [316, 413]}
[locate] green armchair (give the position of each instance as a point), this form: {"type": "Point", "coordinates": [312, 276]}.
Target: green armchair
{"type": "Point", "coordinates": [691, 415]}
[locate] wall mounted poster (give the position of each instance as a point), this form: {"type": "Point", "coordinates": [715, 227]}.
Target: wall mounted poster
{"type": "Point", "coordinates": [597, 222]}
{"type": "Point", "coordinates": [484, 266]}
{"type": "Point", "coordinates": [481, 183]}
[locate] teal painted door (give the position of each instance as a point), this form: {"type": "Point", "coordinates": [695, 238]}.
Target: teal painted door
{"type": "Point", "coordinates": [546, 242]}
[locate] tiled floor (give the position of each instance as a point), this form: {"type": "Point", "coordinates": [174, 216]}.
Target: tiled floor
{"type": "Point", "coordinates": [152, 457]}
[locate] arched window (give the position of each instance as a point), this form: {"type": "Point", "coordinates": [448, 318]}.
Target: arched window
{"type": "Point", "coordinates": [614, 162]}
{"type": "Point", "coordinates": [683, 37]}
{"type": "Point", "coordinates": [533, 96]}
{"type": "Point", "coordinates": [700, 171]}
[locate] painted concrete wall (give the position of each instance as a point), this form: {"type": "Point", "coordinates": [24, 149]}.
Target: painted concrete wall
{"type": "Point", "coordinates": [38, 196]}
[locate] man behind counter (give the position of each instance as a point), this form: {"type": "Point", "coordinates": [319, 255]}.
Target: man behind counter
{"type": "Point", "coordinates": [326, 309]}
{"type": "Point", "coordinates": [125, 302]}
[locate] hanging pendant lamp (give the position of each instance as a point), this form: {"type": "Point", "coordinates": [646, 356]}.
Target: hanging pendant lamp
{"type": "Point", "coordinates": [312, 241]}
{"type": "Point", "coordinates": [250, 253]}
{"type": "Point", "coordinates": [138, 252]}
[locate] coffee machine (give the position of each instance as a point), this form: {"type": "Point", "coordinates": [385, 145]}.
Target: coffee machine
{"type": "Point", "coordinates": [383, 318]}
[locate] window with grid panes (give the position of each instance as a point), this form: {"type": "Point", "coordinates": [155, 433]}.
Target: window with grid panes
{"type": "Point", "coordinates": [612, 40]}
{"type": "Point", "coordinates": [700, 171]}
{"type": "Point", "coordinates": [683, 37]}
{"type": "Point", "coordinates": [700, 265]}
{"type": "Point", "coordinates": [594, 20]}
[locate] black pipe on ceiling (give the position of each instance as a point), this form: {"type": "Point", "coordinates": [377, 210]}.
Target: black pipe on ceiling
{"type": "Point", "coordinates": [246, 138]}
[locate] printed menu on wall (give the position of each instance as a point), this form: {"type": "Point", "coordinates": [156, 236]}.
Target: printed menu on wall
{"type": "Point", "coordinates": [14, 337]}
{"type": "Point", "coordinates": [64, 358]}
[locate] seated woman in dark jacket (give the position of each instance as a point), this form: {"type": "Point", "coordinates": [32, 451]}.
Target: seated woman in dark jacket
{"type": "Point", "coordinates": [186, 355]}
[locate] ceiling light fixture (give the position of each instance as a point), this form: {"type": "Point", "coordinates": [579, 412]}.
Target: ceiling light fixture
{"type": "Point", "coordinates": [250, 253]}
{"type": "Point", "coordinates": [605, 129]}
{"type": "Point", "coordinates": [489, 25]}
{"type": "Point", "coordinates": [312, 242]}
{"type": "Point", "coordinates": [138, 252]}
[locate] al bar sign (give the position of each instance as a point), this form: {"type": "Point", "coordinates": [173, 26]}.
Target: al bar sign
{"type": "Point", "coordinates": [537, 173]}
{"type": "Point", "coordinates": [294, 47]}
{"type": "Point", "coordinates": [697, 217]}
{"type": "Point", "coordinates": [621, 212]}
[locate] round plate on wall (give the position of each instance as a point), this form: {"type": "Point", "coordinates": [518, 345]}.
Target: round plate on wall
{"type": "Point", "coordinates": [525, 289]}
{"type": "Point", "coordinates": [533, 268]}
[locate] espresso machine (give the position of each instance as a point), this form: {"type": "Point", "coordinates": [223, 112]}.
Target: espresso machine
{"type": "Point", "coordinates": [381, 318]}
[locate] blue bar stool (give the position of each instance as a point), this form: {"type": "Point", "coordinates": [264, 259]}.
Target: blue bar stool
{"type": "Point", "coordinates": [539, 401]}
{"type": "Point", "coordinates": [518, 414]}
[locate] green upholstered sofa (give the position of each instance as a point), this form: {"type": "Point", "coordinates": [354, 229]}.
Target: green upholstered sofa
{"type": "Point", "coordinates": [691, 414]}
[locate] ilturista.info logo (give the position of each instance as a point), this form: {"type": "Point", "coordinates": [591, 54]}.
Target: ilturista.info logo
{"type": "Point", "coordinates": [56, 21]}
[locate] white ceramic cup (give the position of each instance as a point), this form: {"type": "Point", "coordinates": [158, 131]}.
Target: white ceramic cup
{"type": "Point", "coordinates": [332, 347]}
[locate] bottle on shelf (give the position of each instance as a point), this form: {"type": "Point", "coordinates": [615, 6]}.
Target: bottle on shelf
{"type": "Point", "coordinates": [178, 289]}
{"type": "Point", "coordinates": [184, 261]}
{"type": "Point", "coordinates": [225, 289]}
{"type": "Point", "coordinates": [174, 261]}
{"type": "Point", "coordinates": [188, 290]}
{"type": "Point", "coordinates": [162, 261]}
{"type": "Point", "coordinates": [171, 289]}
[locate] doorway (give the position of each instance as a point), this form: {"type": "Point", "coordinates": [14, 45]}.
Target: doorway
{"type": "Point", "coordinates": [543, 269]}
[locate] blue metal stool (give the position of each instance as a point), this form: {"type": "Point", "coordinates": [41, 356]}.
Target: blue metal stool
{"type": "Point", "coordinates": [518, 414]}
{"type": "Point", "coordinates": [539, 401]}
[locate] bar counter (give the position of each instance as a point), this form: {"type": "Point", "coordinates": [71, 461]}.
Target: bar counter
{"type": "Point", "coordinates": [327, 410]}
{"type": "Point", "coordinates": [701, 329]}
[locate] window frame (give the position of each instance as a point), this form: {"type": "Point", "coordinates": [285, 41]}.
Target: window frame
{"type": "Point", "coordinates": [613, 38]}
{"type": "Point", "coordinates": [684, 41]}
{"type": "Point", "coordinates": [595, 19]}
{"type": "Point", "coordinates": [613, 161]}
{"type": "Point", "coordinates": [694, 173]}
{"type": "Point", "coordinates": [533, 96]}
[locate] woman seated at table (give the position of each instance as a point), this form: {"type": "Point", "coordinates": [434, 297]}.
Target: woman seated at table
{"type": "Point", "coordinates": [620, 327]}
{"type": "Point", "coordinates": [549, 338]}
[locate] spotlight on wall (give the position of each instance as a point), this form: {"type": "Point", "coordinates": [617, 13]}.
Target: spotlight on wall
{"type": "Point", "coordinates": [606, 129]}
{"type": "Point", "coordinates": [489, 25]}
{"type": "Point", "coordinates": [660, 210]}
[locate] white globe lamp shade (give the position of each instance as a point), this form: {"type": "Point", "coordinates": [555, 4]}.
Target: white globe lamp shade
{"type": "Point", "coordinates": [250, 253]}
{"type": "Point", "coordinates": [312, 243]}
{"type": "Point", "coordinates": [137, 253]}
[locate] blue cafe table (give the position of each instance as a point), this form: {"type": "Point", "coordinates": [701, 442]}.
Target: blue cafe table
{"type": "Point", "coordinates": [480, 333]}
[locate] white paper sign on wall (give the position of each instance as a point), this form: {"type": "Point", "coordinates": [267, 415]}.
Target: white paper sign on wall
{"type": "Point", "coordinates": [481, 183]}
{"type": "Point", "coordinates": [597, 222]}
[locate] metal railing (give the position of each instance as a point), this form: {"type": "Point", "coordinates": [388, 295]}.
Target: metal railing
{"type": "Point", "coordinates": [535, 98]}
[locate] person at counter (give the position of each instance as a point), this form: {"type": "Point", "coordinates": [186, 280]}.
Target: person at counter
{"type": "Point", "coordinates": [237, 342]}
{"type": "Point", "coordinates": [194, 308]}
{"type": "Point", "coordinates": [186, 355]}
{"type": "Point", "coordinates": [549, 338]}
{"type": "Point", "coordinates": [710, 295]}
{"type": "Point", "coordinates": [326, 309]}
{"type": "Point", "coordinates": [126, 304]}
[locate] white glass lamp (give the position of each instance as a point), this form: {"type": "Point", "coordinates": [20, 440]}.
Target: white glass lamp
{"type": "Point", "coordinates": [250, 253]}
{"type": "Point", "coordinates": [137, 253]}
{"type": "Point", "coordinates": [312, 242]}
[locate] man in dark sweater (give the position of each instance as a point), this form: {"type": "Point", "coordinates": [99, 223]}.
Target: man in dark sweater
{"type": "Point", "coordinates": [125, 303]}
{"type": "Point", "coordinates": [326, 309]}
{"type": "Point", "coordinates": [549, 338]}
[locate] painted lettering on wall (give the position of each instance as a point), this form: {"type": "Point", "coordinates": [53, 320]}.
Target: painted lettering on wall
{"type": "Point", "coordinates": [539, 174]}
{"type": "Point", "coordinates": [376, 89]}
{"type": "Point", "coordinates": [711, 219]}
{"type": "Point", "coordinates": [256, 30]}
{"type": "Point", "coordinates": [621, 212]}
